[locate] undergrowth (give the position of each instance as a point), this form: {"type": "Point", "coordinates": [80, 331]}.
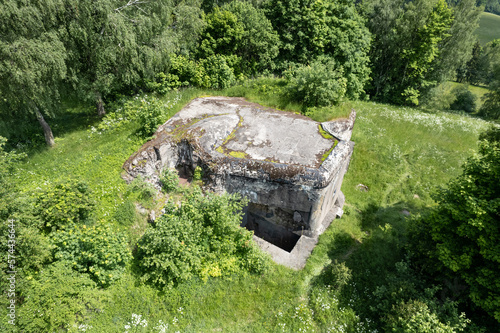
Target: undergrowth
{"type": "Point", "coordinates": [401, 155]}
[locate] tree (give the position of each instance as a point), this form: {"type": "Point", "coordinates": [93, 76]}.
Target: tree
{"type": "Point", "coordinates": [491, 105]}
{"type": "Point", "coordinates": [458, 47]}
{"type": "Point", "coordinates": [492, 6]}
{"type": "Point", "coordinates": [462, 233]}
{"type": "Point", "coordinates": [32, 63]}
{"type": "Point", "coordinates": [112, 46]}
{"type": "Point", "coordinates": [473, 70]}
{"type": "Point", "coordinates": [407, 35]}
{"type": "Point", "coordinates": [333, 28]}
{"type": "Point", "coordinates": [259, 44]}
{"type": "Point", "coordinates": [243, 32]}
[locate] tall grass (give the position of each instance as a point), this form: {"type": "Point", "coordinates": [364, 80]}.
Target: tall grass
{"type": "Point", "coordinates": [401, 155]}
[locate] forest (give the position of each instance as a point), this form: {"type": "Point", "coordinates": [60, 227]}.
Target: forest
{"type": "Point", "coordinates": [83, 84]}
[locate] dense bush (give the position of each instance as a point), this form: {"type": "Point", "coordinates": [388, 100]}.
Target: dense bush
{"type": "Point", "coordinates": [465, 100]}
{"type": "Point", "coordinates": [491, 105]}
{"type": "Point", "coordinates": [217, 71]}
{"type": "Point", "coordinates": [60, 299]}
{"type": "Point", "coordinates": [63, 204]}
{"type": "Point", "coordinates": [201, 238]}
{"type": "Point", "coordinates": [169, 180]}
{"type": "Point", "coordinates": [151, 113]}
{"type": "Point", "coordinates": [239, 29]}
{"type": "Point", "coordinates": [461, 236]}
{"type": "Point", "coordinates": [98, 251]}
{"type": "Point", "coordinates": [332, 28]}
{"type": "Point", "coordinates": [320, 84]}
{"type": "Point", "coordinates": [408, 305]}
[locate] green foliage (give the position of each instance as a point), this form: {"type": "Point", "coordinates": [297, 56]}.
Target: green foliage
{"type": "Point", "coordinates": [169, 180]}
{"type": "Point", "coordinates": [214, 72]}
{"type": "Point", "coordinates": [150, 115]}
{"type": "Point", "coordinates": [201, 238]}
{"type": "Point", "coordinates": [416, 317]}
{"type": "Point", "coordinates": [333, 28]}
{"type": "Point", "coordinates": [464, 228]}
{"type": "Point", "coordinates": [491, 135]}
{"type": "Point", "coordinates": [8, 160]}
{"type": "Point", "coordinates": [491, 105]}
{"type": "Point", "coordinates": [198, 174]}
{"type": "Point", "coordinates": [259, 43]}
{"type": "Point", "coordinates": [457, 48]}
{"type": "Point", "coordinates": [465, 100]}
{"type": "Point", "coordinates": [126, 213]}
{"type": "Point", "coordinates": [222, 35]}
{"type": "Point", "coordinates": [98, 251]}
{"type": "Point", "coordinates": [33, 61]}
{"type": "Point", "coordinates": [471, 72]}
{"type": "Point", "coordinates": [408, 35]}
{"type": "Point", "coordinates": [59, 299]}
{"type": "Point", "coordinates": [142, 190]}
{"type": "Point", "coordinates": [409, 306]}
{"type": "Point", "coordinates": [112, 47]}
{"type": "Point", "coordinates": [217, 72]}
{"type": "Point", "coordinates": [64, 204]}
{"type": "Point", "coordinates": [320, 84]}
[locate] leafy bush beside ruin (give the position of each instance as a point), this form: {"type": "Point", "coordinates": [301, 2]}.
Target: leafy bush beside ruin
{"type": "Point", "coordinates": [98, 251]}
{"type": "Point", "coordinates": [200, 237]}
{"type": "Point", "coordinates": [63, 204]}
{"type": "Point", "coordinates": [322, 83]}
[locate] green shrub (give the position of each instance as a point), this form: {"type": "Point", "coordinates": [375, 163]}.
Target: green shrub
{"type": "Point", "coordinates": [405, 303]}
{"type": "Point", "coordinates": [63, 204]}
{"type": "Point", "coordinates": [218, 71]}
{"type": "Point", "coordinates": [98, 251]}
{"type": "Point", "coordinates": [182, 72]}
{"type": "Point", "coordinates": [126, 214]}
{"type": "Point", "coordinates": [460, 236]}
{"type": "Point", "coordinates": [59, 300]}
{"type": "Point", "coordinates": [151, 113]}
{"type": "Point", "coordinates": [416, 317]}
{"type": "Point", "coordinates": [319, 84]}
{"type": "Point", "coordinates": [169, 180]}
{"type": "Point", "coordinates": [492, 135]}
{"type": "Point", "coordinates": [198, 174]}
{"type": "Point", "coordinates": [201, 238]}
{"type": "Point", "coordinates": [142, 190]}
{"type": "Point", "coordinates": [465, 100]}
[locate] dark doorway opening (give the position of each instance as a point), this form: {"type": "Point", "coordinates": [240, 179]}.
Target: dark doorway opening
{"type": "Point", "coordinates": [270, 232]}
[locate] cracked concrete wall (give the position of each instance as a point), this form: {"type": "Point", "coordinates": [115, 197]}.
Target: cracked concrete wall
{"type": "Point", "coordinates": [292, 183]}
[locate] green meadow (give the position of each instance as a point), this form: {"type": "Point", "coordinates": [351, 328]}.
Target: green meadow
{"type": "Point", "coordinates": [401, 156]}
{"type": "Point", "coordinates": [489, 28]}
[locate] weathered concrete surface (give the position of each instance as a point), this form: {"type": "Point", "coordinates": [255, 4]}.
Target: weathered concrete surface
{"type": "Point", "coordinates": [289, 171]}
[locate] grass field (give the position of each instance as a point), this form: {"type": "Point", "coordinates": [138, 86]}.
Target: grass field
{"type": "Point", "coordinates": [401, 155]}
{"type": "Point", "coordinates": [489, 28]}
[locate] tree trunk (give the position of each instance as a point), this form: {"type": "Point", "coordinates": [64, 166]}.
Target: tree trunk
{"type": "Point", "coordinates": [100, 105]}
{"type": "Point", "coordinates": [47, 131]}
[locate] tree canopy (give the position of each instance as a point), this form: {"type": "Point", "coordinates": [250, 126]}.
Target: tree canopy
{"type": "Point", "coordinates": [32, 60]}
{"type": "Point", "coordinates": [333, 28]}
{"type": "Point", "coordinates": [464, 230]}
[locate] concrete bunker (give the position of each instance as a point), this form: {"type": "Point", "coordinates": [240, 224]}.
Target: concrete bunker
{"type": "Point", "coordinates": [288, 166]}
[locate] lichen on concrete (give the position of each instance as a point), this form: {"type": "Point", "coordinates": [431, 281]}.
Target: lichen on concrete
{"type": "Point", "coordinates": [285, 162]}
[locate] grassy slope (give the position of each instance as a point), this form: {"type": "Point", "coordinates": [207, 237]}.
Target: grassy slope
{"type": "Point", "coordinates": [476, 90]}
{"type": "Point", "coordinates": [401, 154]}
{"type": "Point", "coordinates": [489, 28]}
